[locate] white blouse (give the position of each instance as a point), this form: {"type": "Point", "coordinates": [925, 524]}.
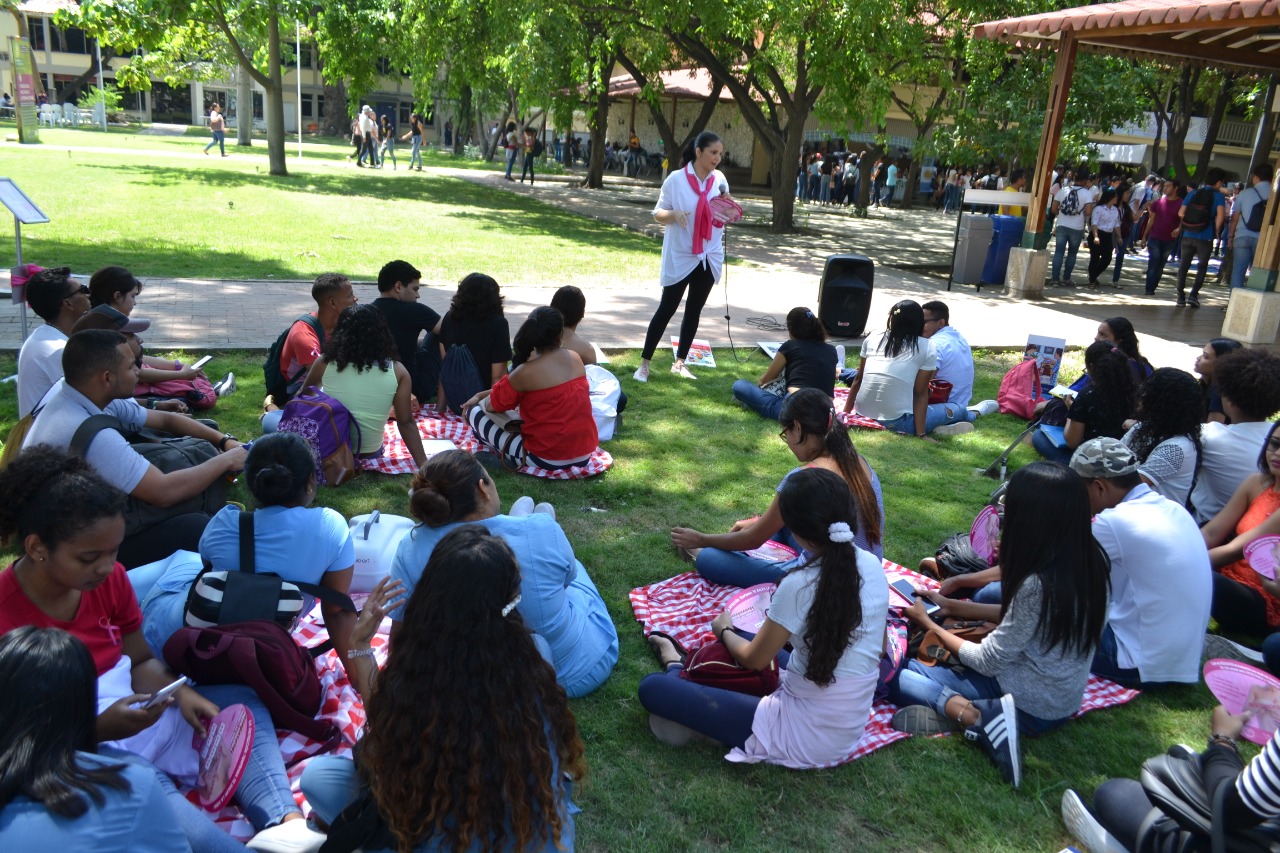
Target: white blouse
{"type": "Point", "coordinates": [678, 259]}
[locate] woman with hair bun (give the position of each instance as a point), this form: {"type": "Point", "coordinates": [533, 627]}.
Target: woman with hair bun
{"type": "Point", "coordinates": [805, 360]}
{"type": "Point", "coordinates": [817, 438]}
{"type": "Point", "coordinates": [831, 610]}
{"type": "Point", "coordinates": [558, 600]}
{"type": "Point", "coordinates": [548, 384]}
{"type": "Point", "coordinates": [470, 744]}
{"type": "Point", "coordinates": [692, 247]}
{"type": "Point", "coordinates": [292, 539]}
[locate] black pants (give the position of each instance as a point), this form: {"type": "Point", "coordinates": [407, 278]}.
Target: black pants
{"type": "Point", "coordinates": [527, 169]}
{"type": "Point", "coordinates": [1100, 254]}
{"type": "Point", "coordinates": [1121, 805]}
{"type": "Point", "coordinates": [424, 369]}
{"type": "Point", "coordinates": [1239, 609]}
{"type": "Point", "coordinates": [369, 149]}
{"type": "Point", "coordinates": [699, 283]}
{"type": "Point", "coordinates": [180, 533]}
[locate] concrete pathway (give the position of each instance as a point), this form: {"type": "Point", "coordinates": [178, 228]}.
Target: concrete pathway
{"type": "Point", "coordinates": [911, 249]}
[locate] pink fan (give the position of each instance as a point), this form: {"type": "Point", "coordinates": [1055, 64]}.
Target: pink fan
{"type": "Point", "coordinates": [724, 210]}
{"type": "Point", "coordinates": [984, 536]}
{"type": "Point", "coordinates": [1240, 687]}
{"type": "Point", "coordinates": [224, 753]}
{"type": "Point", "coordinates": [1263, 555]}
{"type": "Point", "coordinates": [749, 607]}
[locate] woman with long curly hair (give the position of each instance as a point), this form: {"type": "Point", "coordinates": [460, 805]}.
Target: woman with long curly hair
{"type": "Point", "coordinates": [470, 743]}
{"type": "Point", "coordinates": [818, 439]}
{"type": "Point", "coordinates": [1166, 438]}
{"type": "Point", "coordinates": [559, 602]}
{"type": "Point", "coordinates": [892, 385]}
{"type": "Point", "coordinates": [1101, 409]}
{"type": "Point", "coordinates": [549, 387]}
{"type": "Point", "coordinates": [832, 612]}
{"type": "Point", "coordinates": [360, 370]}
{"type": "Point", "coordinates": [475, 320]}
{"type": "Point", "coordinates": [1030, 673]}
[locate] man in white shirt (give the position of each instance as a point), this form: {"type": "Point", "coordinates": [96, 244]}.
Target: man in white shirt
{"type": "Point", "coordinates": [1072, 206]}
{"type": "Point", "coordinates": [1243, 240]}
{"type": "Point", "coordinates": [1249, 383]}
{"type": "Point", "coordinates": [369, 130]}
{"type": "Point", "coordinates": [59, 301]}
{"type": "Point", "coordinates": [101, 372]}
{"type": "Point", "coordinates": [1161, 579]}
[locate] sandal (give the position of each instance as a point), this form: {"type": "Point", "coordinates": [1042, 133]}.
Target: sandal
{"type": "Point", "coordinates": [680, 650]}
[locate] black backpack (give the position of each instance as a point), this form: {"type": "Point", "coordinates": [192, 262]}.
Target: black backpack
{"type": "Point", "coordinates": [1257, 212]}
{"type": "Point", "coordinates": [1199, 209]}
{"type": "Point", "coordinates": [459, 377]}
{"type": "Point", "coordinates": [280, 386]}
{"type": "Point", "coordinates": [167, 454]}
{"type": "Point", "coordinates": [538, 148]}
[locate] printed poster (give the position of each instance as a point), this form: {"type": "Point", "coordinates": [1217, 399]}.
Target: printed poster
{"type": "Point", "coordinates": [1048, 355]}
{"type": "Point", "coordinates": [699, 354]}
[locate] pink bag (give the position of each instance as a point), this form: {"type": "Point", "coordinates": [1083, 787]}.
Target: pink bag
{"type": "Point", "coordinates": [198, 393]}
{"type": "Point", "coordinates": [1020, 390]}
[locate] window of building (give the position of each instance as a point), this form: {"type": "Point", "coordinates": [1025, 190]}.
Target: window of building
{"type": "Point", "coordinates": [307, 106]}
{"type": "Point", "coordinates": [384, 65]}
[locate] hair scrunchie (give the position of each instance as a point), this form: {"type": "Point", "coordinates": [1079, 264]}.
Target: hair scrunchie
{"type": "Point", "coordinates": [511, 605]}
{"type": "Point", "coordinates": [839, 531]}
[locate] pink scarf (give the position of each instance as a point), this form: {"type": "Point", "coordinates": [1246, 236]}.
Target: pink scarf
{"type": "Point", "coordinates": [702, 223]}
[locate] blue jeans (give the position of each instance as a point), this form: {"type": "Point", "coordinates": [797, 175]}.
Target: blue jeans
{"type": "Point", "coordinates": [415, 151]}
{"type": "Point", "coordinates": [218, 139]}
{"type": "Point", "coordinates": [1068, 243]}
{"type": "Point", "coordinates": [932, 686]}
{"type": "Point", "coordinates": [735, 568]}
{"type": "Point", "coordinates": [511, 161]}
{"type": "Point", "coordinates": [935, 415]}
{"type": "Point", "coordinates": [1106, 663]}
{"type": "Point", "coordinates": [992, 593]}
{"type": "Point", "coordinates": [755, 398]}
{"type": "Point", "coordinates": [1242, 249]}
{"type": "Point", "coordinates": [1157, 257]}
{"type": "Point", "coordinates": [389, 147]}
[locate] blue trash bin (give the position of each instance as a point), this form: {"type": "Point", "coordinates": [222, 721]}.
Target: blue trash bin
{"type": "Point", "coordinates": [1005, 234]}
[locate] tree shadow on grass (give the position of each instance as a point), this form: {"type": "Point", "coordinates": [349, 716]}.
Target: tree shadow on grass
{"type": "Point", "coordinates": [177, 260]}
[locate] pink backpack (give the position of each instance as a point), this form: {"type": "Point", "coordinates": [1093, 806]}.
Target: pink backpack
{"type": "Point", "coordinates": [1020, 390]}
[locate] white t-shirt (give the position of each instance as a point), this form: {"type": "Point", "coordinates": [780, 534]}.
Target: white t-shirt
{"type": "Point", "coordinates": [1161, 585]}
{"type": "Point", "coordinates": [39, 366]}
{"type": "Point", "coordinates": [1076, 220]}
{"type": "Point", "coordinates": [1230, 456]}
{"type": "Point", "coordinates": [367, 124]}
{"type": "Point", "coordinates": [109, 454]}
{"type": "Point", "coordinates": [794, 597]}
{"type": "Point", "coordinates": [678, 259]}
{"type": "Point", "coordinates": [888, 384]}
{"type": "Point", "coordinates": [1170, 466]}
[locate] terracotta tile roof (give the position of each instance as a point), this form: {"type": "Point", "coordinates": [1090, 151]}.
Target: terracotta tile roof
{"type": "Point", "coordinates": [692, 83]}
{"type": "Point", "coordinates": [46, 8]}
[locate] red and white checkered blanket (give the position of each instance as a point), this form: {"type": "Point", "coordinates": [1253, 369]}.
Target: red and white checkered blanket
{"type": "Point", "coordinates": [851, 419]}
{"type": "Point", "coordinates": [683, 607]}
{"type": "Point", "coordinates": [342, 706]}
{"type": "Point", "coordinates": [395, 458]}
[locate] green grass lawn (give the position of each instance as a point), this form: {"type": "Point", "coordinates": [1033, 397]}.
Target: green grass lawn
{"type": "Point", "coordinates": [168, 212]}
{"type": "Point", "coordinates": [686, 454]}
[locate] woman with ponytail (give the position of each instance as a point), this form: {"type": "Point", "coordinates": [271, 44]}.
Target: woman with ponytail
{"type": "Point", "coordinates": [1028, 675]}
{"type": "Point", "coordinates": [692, 247]}
{"type": "Point", "coordinates": [549, 385]}
{"type": "Point", "coordinates": [470, 743]}
{"type": "Point", "coordinates": [805, 360]}
{"type": "Point", "coordinates": [558, 601]}
{"type": "Point", "coordinates": [892, 382]}
{"type": "Point", "coordinates": [831, 610]}
{"type": "Point", "coordinates": [818, 439]}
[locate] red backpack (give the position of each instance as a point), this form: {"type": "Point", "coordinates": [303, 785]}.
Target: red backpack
{"type": "Point", "coordinates": [262, 655]}
{"type": "Point", "coordinates": [714, 666]}
{"type": "Point", "coordinates": [1020, 390]}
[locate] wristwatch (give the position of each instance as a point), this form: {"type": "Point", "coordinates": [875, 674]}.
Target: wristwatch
{"type": "Point", "coordinates": [359, 653]}
{"type": "Point", "coordinates": [222, 442]}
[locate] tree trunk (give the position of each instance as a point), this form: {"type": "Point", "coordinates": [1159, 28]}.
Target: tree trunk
{"type": "Point", "coordinates": [782, 176]}
{"type": "Point", "coordinates": [1214, 125]}
{"type": "Point", "coordinates": [465, 118]}
{"type": "Point", "coordinates": [275, 98]}
{"type": "Point", "coordinates": [598, 121]}
{"type": "Point", "coordinates": [335, 118]}
{"type": "Point", "coordinates": [89, 78]}
{"type": "Point", "coordinates": [1180, 122]}
{"type": "Point", "coordinates": [1155, 143]}
{"type": "Point", "coordinates": [244, 109]}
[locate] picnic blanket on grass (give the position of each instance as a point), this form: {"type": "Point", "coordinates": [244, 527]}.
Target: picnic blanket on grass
{"type": "Point", "coordinates": [683, 607]}
{"type": "Point", "coordinates": [852, 419]}
{"type": "Point", "coordinates": [395, 458]}
{"type": "Point", "coordinates": [342, 706]}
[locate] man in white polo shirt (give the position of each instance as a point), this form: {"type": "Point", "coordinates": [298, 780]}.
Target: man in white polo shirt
{"type": "Point", "coordinates": [1161, 579]}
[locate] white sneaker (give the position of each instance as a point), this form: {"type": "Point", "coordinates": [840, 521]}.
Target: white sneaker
{"type": "Point", "coordinates": [986, 407]}
{"type": "Point", "coordinates": [226, 385]}
{"type": "Point", "coordinates": [672, 733]}
{"type": "Point", "coordinates": [679, 369]}
{"type": "Point", "coordinates": [523, 506]}
{"type": "Point", "coordinates": [1084, 827]}
{"type": "Point", "coordinates": [292, 836]}
{"type": "Point", "coordinates": [1220, 647]}
{"type": "Point", "coordinates": [641, 374]}
{"type": "Point", "coordinates": [958, 428]}
{"type": "Point", "coordinates": [546, 509]}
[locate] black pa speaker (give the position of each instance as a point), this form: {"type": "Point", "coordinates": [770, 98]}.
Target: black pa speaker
{"type": "Point", "coordinates": [844, 295]}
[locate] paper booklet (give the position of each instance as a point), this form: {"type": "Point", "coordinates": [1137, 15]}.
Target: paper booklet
{"type": "Point", "coordinates": [699, 354]}
{"type": "Point", "coordinates": [1048, 355]}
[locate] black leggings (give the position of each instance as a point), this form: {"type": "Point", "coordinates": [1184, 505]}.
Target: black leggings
{"type": "Point", "coordinates": [1239, 609]}
{"type": "Point", "coordinates": [1121, 805]}
{"type": "Point", "coordinates": [1100, 254]}
{"type": "Point", "coordinates": [699, 282]}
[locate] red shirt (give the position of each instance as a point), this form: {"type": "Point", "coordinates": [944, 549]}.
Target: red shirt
{"type": "Point", "coordinates": [1165, 213]}
{"type": "Point", "coordinates": [558, 425]}
{"type": "Point", "coordinates": [106, 615]}
{"type": "Point", "coordinates": [301, 348]}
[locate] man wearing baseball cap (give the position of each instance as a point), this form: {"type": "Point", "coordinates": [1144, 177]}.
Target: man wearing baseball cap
{"type": "Point", "coordinates": [369, 130]}
{"type": "Point", "coordinates": [1161, 579]}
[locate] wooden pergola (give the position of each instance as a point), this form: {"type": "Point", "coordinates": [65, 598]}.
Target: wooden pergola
{"type": "Point", "coordinates": [1240, 34]}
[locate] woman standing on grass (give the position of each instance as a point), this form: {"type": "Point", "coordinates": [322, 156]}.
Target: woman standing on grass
{"type": "Point", "coordinates": [818, 439]}
{"type": "Point", "coordinates": [692, 247]}
{"type": "Point", "coordinates": [1030, 673]}
{"type": "Point", "coordinates": [832, 612]}
{"type": "Point", "coordinates": [388, 132]}
{"type": "Point", "coordinates": [415, 141]}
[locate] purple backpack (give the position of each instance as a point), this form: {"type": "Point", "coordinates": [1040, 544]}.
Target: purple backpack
{"type": "Point", "coordinates": [327, 426]}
